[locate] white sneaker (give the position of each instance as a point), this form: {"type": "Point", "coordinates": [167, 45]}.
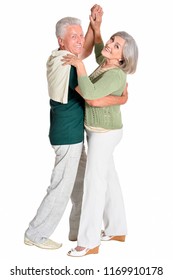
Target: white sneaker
{"type": "Point", "coordinates": [48, 244]}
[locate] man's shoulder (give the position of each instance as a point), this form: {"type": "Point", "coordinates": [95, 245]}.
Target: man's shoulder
{"type": "Point", "coordinates": [58, 53]}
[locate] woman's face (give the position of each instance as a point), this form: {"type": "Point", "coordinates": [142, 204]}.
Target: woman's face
{"type": "Point", "coordinates": [114, 48]}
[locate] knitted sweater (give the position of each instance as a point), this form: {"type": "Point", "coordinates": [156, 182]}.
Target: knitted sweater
{"type": "Point", "coordinates": [102, 82]}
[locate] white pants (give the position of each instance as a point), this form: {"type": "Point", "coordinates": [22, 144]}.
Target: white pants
{"type": "Point", "coordinates": [102, 199]}
{"type": "Point", "coordinates": [67, 180]}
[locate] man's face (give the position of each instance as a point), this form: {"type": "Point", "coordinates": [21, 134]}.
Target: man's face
{"type": "Point", "coordinates": [73, 39]}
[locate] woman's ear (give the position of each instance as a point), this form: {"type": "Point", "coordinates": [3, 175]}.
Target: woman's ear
{"type": "Point", "coordinates": [121, 61]}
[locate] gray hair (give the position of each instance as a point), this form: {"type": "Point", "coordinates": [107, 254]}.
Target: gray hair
{"type": "Point", "coordinates": [63, 23]}
{"type": "Point", "coordinates": [130, 52]}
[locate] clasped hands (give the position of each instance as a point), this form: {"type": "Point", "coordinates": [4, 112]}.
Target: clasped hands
{"type": "Point", "coordinates": [96, 16]}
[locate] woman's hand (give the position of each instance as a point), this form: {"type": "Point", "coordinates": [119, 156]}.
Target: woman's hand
{"type": "Point", "coordinates": [73, 60]}
{"type": "Point", "coordinates": [125, 94]}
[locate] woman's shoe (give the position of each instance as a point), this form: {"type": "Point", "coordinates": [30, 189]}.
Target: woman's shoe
{"type": "Point", "coordinates": [120, 238]}
{"type": "Point", "coordinates": [84, 252]}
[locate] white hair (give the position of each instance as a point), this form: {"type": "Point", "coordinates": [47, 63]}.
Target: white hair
{"type": "Point", "coordinates": [63, 23]}
{"type": "Point", "coordinates": [130, 52]}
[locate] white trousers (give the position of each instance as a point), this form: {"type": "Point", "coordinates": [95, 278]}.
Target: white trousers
{"type": "Point", "coordinates": [102, 199]}
{"type": "Point", "coordinates": [66, 181]}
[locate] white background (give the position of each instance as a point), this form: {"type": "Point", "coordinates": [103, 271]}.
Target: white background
{"type": "Point", "coordinates": [144, 158]}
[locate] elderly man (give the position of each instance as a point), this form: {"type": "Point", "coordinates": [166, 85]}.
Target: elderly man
{"type": "Point", "coordinates": [66, 135]}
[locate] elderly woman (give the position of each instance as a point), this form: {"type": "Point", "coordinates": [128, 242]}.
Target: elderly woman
{"type": "Point", "coordinates": [102, 200]}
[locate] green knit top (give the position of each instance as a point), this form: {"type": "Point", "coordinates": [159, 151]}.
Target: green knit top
{"type": "Point", "coordinates": [100, 83]}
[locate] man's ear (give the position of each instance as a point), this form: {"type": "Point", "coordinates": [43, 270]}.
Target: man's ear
{"type": "Point", "coordinates": [60, 42]}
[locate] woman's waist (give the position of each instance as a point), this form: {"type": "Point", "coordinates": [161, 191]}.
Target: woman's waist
{"type": "Point", "coordinates": [106, 122]}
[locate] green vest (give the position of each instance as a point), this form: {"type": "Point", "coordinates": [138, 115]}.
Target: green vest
{"type": "Point", "coordinates": [67, 120]}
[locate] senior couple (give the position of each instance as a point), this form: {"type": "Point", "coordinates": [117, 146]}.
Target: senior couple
{"type": "Point", "coordinates": [78, 103]}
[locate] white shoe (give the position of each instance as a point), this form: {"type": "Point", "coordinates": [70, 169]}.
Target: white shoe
{"type": "Point", "coordinates": [48, 244]}
{"type": "Point", "coordinates": [105, 237]}
{"type": "Point", "coordinates": [84, 252]}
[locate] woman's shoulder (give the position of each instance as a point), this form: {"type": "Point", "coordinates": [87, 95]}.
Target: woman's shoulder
{"type": "Point", "coordinates": [118, 70]}
{"type": "Point", "coordinates": [116, 73]}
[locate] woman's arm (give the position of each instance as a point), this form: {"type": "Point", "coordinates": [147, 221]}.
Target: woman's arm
{"type": "Point", "coordinates": [103, 87]}
{"type": "Point", "coordinates": [95, 23]}
{"type": "Point", "coordinates": [104, 101]}
{"type": "Point", "coordinates": [109, 100]}
{"type": "Point", "coordinates": [98, 42]}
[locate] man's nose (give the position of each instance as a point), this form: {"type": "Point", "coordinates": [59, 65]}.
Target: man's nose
{"type": "Point", "coordinates": [79, 39]}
